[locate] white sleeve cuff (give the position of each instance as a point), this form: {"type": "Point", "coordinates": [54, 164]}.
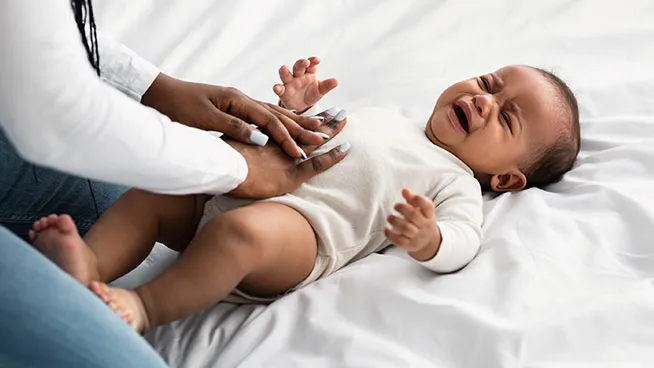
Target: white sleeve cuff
{"type": "Point", "coordinates": [124, 69]}
{"type": "Point", "coordinates": [460, 243]}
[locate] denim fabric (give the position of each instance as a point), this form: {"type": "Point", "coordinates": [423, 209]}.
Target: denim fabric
{"type": "Point", "coordinates": [48, 319]}
{"type": "Point", "coordinates": [28, 192]}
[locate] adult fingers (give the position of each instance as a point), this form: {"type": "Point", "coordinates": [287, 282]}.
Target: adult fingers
{"type": "Point", "coordinates": [241, 107]}
{"type": "Point", "coordinates": [331, 126]}
{"type": "Point", "coordinates": [293, 125]}
{"type": "Point", "coordinates": [310, 123]}
{"type": "Point", "coordinates": [315, 165]}
{"type": "Point", "coordinates": [238, 129]}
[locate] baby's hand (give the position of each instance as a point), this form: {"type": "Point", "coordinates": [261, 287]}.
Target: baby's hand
{"type": "Point", "coordinates": [302, 89]}
{"type": "Point", "coordinates": [417, 232]}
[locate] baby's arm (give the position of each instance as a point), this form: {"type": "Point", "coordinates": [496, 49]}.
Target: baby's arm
{"type": "Point", "coordinates": [301, 89]}
{"type": "Point", "coordinates": [447, 240]}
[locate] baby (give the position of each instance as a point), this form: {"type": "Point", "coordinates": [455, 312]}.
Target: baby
{"type": "Point", "coordinates": [505, 131]}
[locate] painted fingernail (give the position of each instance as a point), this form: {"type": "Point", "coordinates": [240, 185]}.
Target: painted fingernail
{"type": "Point", "coordinates": [322, 135]}
{"type": "Point", "coordinates": [332, 111]}
{"type": "Point", "coordinates": [316, 117]}
{"type": "Point", "coordinates": [344, 147]}
{"type": "Point", "coordinates": [341, 115]}
{"type": "Point", "coordinates": [302, 153]}
{"type": "Point", "coordinates": [258, 138]}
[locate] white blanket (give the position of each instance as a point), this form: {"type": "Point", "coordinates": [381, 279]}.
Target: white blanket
{"type": "Point", "coordinates": [564, 277]}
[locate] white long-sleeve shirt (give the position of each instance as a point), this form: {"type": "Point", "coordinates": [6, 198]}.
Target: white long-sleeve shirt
{"type": "Point", "coordinates": [59, 114]}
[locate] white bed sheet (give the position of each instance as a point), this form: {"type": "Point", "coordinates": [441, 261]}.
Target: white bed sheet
{"type": "Point", "coordinates": [564, 276]}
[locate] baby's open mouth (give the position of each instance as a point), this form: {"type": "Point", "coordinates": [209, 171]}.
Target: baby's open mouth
{"type": "Point", "coordinates": [461, 115]}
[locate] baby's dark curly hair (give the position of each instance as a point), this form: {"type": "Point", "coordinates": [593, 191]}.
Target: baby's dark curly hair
{"type": "Point", "coordinates": [553, 161]}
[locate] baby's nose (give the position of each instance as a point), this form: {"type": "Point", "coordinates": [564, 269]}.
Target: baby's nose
{"type": "Point", "coordinates": [483, 104]}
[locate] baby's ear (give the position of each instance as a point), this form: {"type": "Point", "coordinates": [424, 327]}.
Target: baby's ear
{"type": "Point", "coordinates": [512, 181]}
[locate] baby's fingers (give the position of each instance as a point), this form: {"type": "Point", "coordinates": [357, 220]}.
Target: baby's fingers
{"type": "Point", "coordinates": [424, 204]}
{"type": "Point", "coordinates": [407, 194]}
{"type": "Point", "coordinates": [313, 64]}
{"type": "Point", "coordinates": [279, 89]}
{"type": "Point", "coordinates": [402, 226]}
{"type": "Point", "coordinates": [327, 85]}
{"type": "Point", "coordinates": [285, 74]}
{"type": "Point", "coordinates": [315, 94]}
{"type": "Point", "coordinates": [300, 67]}
{"type": "Point", "coordinates": [397, 239]}
{"type": "Point", "coordinates": [409, 212]}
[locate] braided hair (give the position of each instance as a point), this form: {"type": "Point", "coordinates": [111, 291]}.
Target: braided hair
{"type": "Point", "coordinates": [83, 11]}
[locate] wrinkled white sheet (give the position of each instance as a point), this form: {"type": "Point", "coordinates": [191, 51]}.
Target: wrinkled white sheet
{"type": "Point", "coordinates": [564, 277]}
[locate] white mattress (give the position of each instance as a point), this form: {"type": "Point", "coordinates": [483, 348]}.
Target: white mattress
{"type": "Point", "coordinates": [564, 276]}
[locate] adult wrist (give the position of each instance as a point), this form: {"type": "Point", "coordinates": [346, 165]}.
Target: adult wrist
{"type": "Point", "coordinates": [157, 91]}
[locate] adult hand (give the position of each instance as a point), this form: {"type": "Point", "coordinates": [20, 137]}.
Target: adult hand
{"type": "Point", "coordinates": [272, 173]}
{"type": "Point", "coordinates": [228, 110]}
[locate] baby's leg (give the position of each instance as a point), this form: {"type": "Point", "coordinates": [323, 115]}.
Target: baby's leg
{"type": "Point", "coordinates": [126, 233]}
{"type": "Point", "coordinates": [266, 248]}
{"type": "Point", "coordinates": [123, 236]}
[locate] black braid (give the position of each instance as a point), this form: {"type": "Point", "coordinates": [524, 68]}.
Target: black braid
{"type": "Point", "coordinates": [83, 11]}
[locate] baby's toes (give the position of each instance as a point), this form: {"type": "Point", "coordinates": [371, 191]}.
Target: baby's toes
{"type": "Point", "coordinates": [101, 290]}
{"type": "Point", "coordinates": [40, 224]}
{"type": "Point", "coordinates": [52, 220]}
{"type": "Point", "coordinates": [66, 224]}
{"type": "Point", "coordinates": [36, 226]}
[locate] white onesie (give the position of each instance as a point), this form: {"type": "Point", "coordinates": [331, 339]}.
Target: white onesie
{"type": "Point", "coordinates": [348, 204]}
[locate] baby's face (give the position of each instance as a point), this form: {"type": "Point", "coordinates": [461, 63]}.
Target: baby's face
{"type": "Point", "coordinates": [496, 123]}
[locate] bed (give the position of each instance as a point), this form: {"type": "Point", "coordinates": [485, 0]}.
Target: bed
{"type": "Point", "coordinates": [564, 276]}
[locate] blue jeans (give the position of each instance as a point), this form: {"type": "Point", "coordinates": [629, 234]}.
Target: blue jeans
{"type": "Point", "coordinates": [28, 192]}
{"type": "Point", "coordinates": [48, 319]}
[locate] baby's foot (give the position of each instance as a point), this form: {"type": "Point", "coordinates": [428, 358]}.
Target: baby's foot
{"type": "Point", "coordinates": [126, 303]}
{"type": "Point", "coordinates": [57, 238]}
